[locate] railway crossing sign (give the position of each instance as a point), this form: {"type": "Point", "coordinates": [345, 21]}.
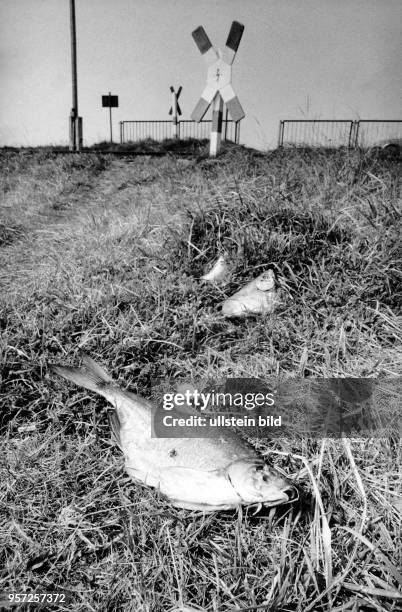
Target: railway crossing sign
{"type": "Point", "coordinates": [175, 97]}
{"type": "Point", "coordinates": [175, 110]}
{"type": "Point", "coordinates": [219, 81]}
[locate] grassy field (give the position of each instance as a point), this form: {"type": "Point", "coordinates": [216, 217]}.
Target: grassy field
{"type": "Point", "coordinates": [103, 255]}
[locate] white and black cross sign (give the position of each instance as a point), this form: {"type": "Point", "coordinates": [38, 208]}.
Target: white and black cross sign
{"type": "Point", "coordinates": [175, 105]}
{"type": "Point", "coordinates": [175, 111]}
{"type": "Point", "coordinates": [219, 81]}
{"type": "Point", "coordinates": [219, 72]}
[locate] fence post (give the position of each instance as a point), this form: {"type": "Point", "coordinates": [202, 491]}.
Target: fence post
{"type": "Point", "coordinates": [350, 135]}
{"type": "Point", "coordinates": [225, 131]}
{"type": "Point", "coordinates": [280, 135]}
{"type": "Point", "coordinates": [356, 134]}
{"type": "Point", "coordinates": [237, 132]}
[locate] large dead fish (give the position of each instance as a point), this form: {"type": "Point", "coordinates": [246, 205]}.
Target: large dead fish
{"type": "Point", "coordinates": [194, 473]}
{"type": "Point", "coordinates": [259, 296]}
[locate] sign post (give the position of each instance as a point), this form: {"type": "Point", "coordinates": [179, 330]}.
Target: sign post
{"type": "Point", "coordinates": [175, 110]}
{"type": "Point", "coordinates": [219, 82]}
{"type": "Point", "coordinates": [225, 136]}
{"type": "Point", "coordinates": [216, 128]}
{"type": "Point", "coordinates": [110, 102]}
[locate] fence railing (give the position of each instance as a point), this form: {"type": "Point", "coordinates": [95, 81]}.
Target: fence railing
{"type": "Point", "coordinates": [134, 131]}
{"type": "Point", "coordinates": [372, 131]}
{"type": "Point", "coordinates": [336, 132]}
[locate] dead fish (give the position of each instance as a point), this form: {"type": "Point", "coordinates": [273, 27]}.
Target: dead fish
{"type": "Point", "coordinates": [193, 473]}
{"type": "Point", "coordinates": [259, 296]}
{"type": "Point", "coordinates": [219, 272]}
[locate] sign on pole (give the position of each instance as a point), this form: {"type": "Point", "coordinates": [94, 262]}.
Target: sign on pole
{"type": "Point", "coordinates": [110, 102]}
{"type": "Point", "coordinates": [175, 110]}
{"type": "Point", "coordinates": [219, 82]}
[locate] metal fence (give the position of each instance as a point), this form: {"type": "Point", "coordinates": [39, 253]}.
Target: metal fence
{"type": "Point", "coordinates": [134, 131]}
{"type": "Point", "coordinates": [372, 132]}
{"type": "Point", "coordinates": [315, 133]}
{"type": "Point", "coordinates": [337, 133]}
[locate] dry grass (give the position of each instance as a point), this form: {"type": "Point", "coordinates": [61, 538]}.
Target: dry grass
{"type": "Point", "coordinates": [103, 254]}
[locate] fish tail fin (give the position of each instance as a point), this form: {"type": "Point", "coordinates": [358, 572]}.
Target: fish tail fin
{"type": "Point", "coordinates": [115, 425]}
{"type": "Point", "coordinates": [91, 376]}
{"type": "Point", "coordinates": [95, 369]}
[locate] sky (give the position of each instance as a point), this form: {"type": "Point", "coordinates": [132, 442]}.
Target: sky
{"type": "Point", "coordinates": [298, 59]}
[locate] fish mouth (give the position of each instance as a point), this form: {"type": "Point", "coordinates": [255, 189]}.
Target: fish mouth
{"type": "Point", "coordinates": [287, 496]}
{"type": "Point", "coordinates": [291, 493]}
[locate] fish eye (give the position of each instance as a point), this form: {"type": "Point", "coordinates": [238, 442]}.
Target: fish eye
{"type": "Point", "coordinates": [269, 474]}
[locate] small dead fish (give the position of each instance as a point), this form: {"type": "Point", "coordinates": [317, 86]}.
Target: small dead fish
{"type": "Point", "coordinates": [219, 272]}
{"type": "Point", "coordinates": [194, 473]}
{"type": "Point", "coordinates": [256, 297]}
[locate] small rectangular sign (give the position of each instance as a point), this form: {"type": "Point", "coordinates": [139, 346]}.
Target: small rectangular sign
{"type": "Point", "coordinates": [110, 101]}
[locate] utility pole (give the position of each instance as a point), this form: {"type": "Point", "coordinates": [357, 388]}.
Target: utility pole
{"type": "Point", "coordinates": [75, 120]}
